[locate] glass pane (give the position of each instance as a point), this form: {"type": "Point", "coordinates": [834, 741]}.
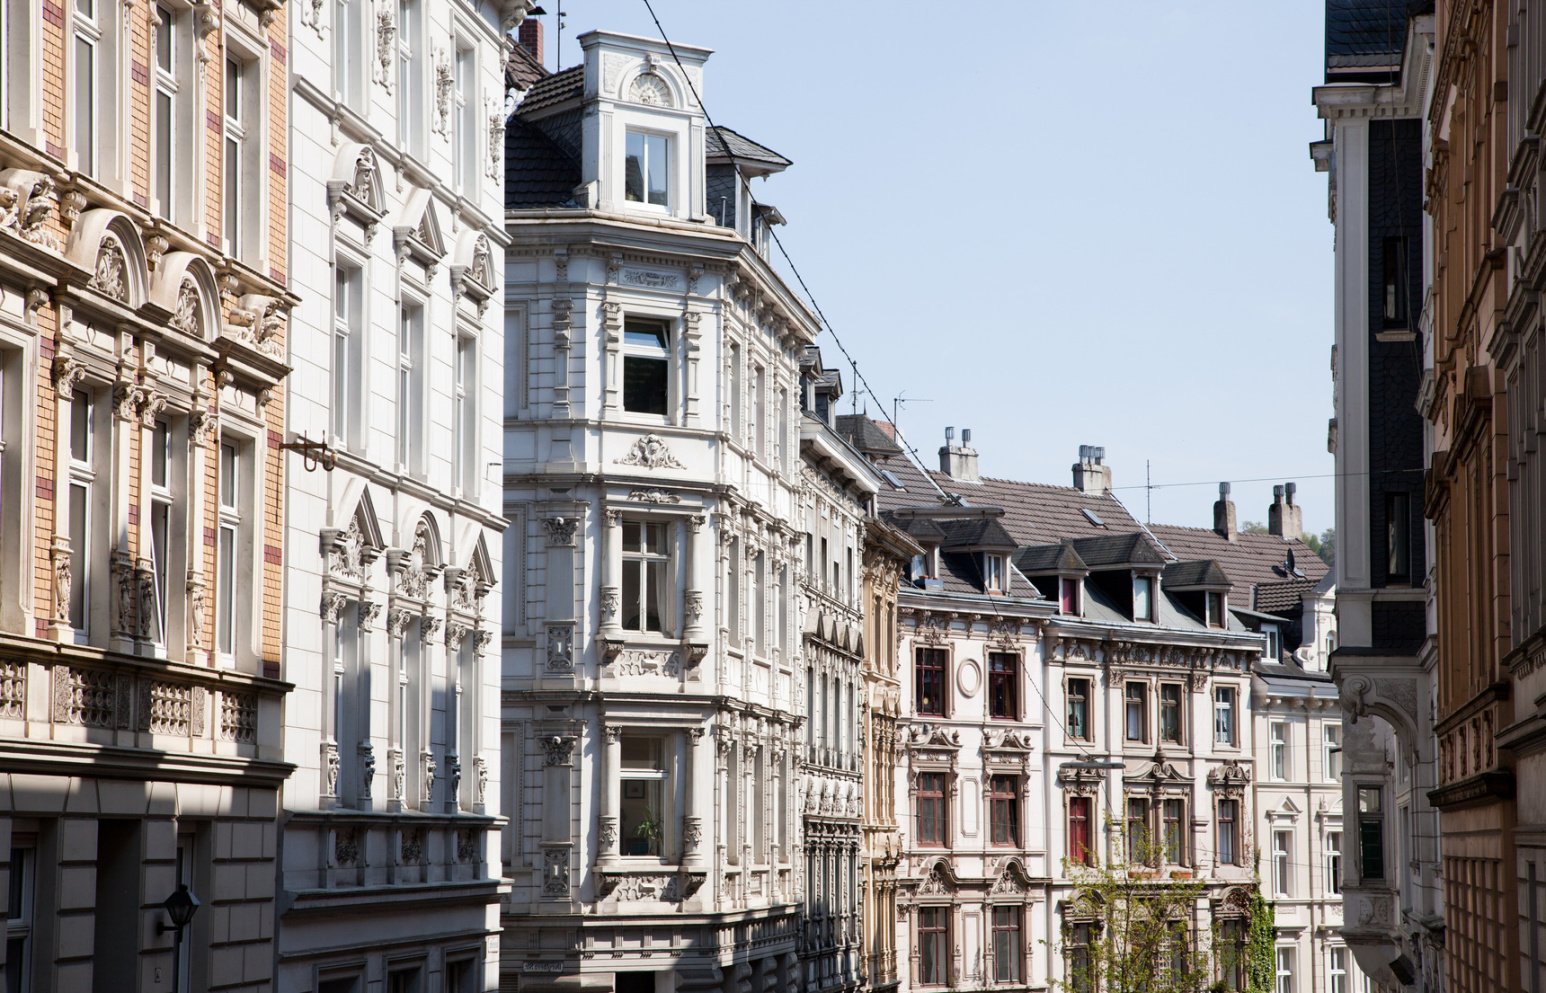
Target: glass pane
{"type": "Point", "coordinates": [228, 481]}
{"type": "Point", "coordinates": [233, 192]}
{"type": "Point", "coordinates": [644, 333]}
{"type": "Point", "coordinates": [658, 159]}
{"type": "Point", "coordinates": [642, 816]}
{"type": "Point", "coordinates": [79, 516]}
{"type": "Point", "coordinates": [80, 427]}
{"type": "Point", "coordinates": [644, 385]}
{"type": "Point", "coordinates": [1141, 598]}
{"type": "Point", "coordinates": [225, 596]}
{"type": "Point", "coordinates": [632, 587]}
{"type": "Point", "coordinates": [233, 89]}
{"type": "Point", "coordinates": [655, 538]}
{"type": "Point", "coordinates": [633, 179]}
{"type": "Point", "coordinates": [85, 100]}
{"type": "Point", "coordinates": [642, 753]}
{"type": "Point", "coordinates": [164, 124]}
{"type": "Point", "coordinates": [160, 453]}
{"type": "Point", "coordinates": [656, 612]}
{"type": "Point", "coordinates": [164, 38]}
{"type": "Point", "coordinates": [160, 525]}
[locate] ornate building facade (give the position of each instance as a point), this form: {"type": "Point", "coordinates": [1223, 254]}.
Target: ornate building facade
{"type": "Point", "coordinates": [391, 875]}
{"type": "Point", "coordinates": [1379, 74]}
{"type": "Point", "coordinates": [144, 296]}
{"type": "Point", "coordinates": [653, 686]}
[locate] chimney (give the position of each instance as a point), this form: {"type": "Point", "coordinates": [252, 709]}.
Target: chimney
{"type": "Point", "coordinates": [1284, 519]}
{"type": "Point", "coordinates": [1224, 515]}
{"type": "Point", "coordinates": [1091, 474]}
{"type": "Point", "coordinates": [530, 37]}
{"type": "Point", "coordinates": [959, 461]}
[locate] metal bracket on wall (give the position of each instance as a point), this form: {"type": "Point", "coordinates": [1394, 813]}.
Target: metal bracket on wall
{"type": "Point", "coordinates": [313, 453]}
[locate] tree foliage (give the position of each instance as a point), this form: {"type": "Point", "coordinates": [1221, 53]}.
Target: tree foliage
{"type": "Point", "coordinates": [1324, 545]}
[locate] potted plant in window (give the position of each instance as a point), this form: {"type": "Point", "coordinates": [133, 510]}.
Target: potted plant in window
{"type": "Point", "coordinates": [650, 831]}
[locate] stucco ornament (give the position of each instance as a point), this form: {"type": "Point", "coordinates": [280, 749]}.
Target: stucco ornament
{"type": "Point", "coordinates": [187, 318]}
{"type": "Point", "coordinates": [111, 277]}
{"type": "Point", "coordinates": [651, 452]}
{"type": "Point", "coordinates": [651, 90]}
{"type": "Point", "coordinates": [444, 83]}
{"type": "Point", "coordinates": [386, 33]}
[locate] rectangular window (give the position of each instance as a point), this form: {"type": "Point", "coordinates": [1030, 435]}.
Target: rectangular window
{"type": "Point", "coordinates": [1006, 944]}
{"type": "Point", "coordinates": [1285, 971]}
{"type": "Point", "coordinates": [993, 573]}
{"type": "Point", "coordinates": [1274, 650]}
{"type": "Point", "coordinates": [1229, 827]}
{"type": "Point", "coordinates": [349, 51]}
{"type": "Point", "coordinates": [410, 77]}
{"type": "Point", "coordinates": [466, 414]}
{"type": "Point", "coordinates": [760, 605]}
{"type": "Point", "coordinates": [1080, 846]}
{"type": "Point", "coordinates": [1395, 304]}
{"type": "Point", "coordinates": [1332, 764]}
{"type": "Point", "coordinates": [87, 34]}
{"type": "Point", "coordinates": [733, 585]}
{"type": "Point", "coordinates": [1079, 709]}
{"type": "Point", "coordinates": [1215, 610]}
{"type": "Point", "coordinates": [226, 550]}
{"type": "Point", "coordinates": [644, 795]}
{"type": "Point", "coordinates": [1003, 685]}
{"type": "Point", "coordinates": [235, 139]}
{"type": "Point", "coordinates": [759, 413]}
{"type": "Point", "coordinates": [160, 523]}
{"type": "Point", "coordinates": [931, 808]}
{"type": "Point", "coordinates": [647, 168]}
{"type": "Point", "coordinates": [1004, 810]}
{"type": "Point", "coordinates": [1170, 712]}
{"type": "Point", "coordinates": [1333, 861]}
{"type": "Point", "coordinates": [646, 577]}
{"type": "Point", "coordinates": [1231, 953]}
{"type": "Point", "coordinates": [1138, 831]}
{"type": "Point", "coordinates": [410, 389]}
{"type": "Point", "coordinates": [929, 673]}
{"type": "Point", "coordinates": [1280, 763]}
{"type": "Point", "coordinates": [1143, 598]}
{"type": "Point", "coordinates": [933, 945]}
{"type": "Point", "coordinates": [1336, 970]}
{"type": "Point", "coordinates": [348, 345]}
{"type": "Point", "coordinates": [783, 610]}
{"type": "Point", "coordinates": [1371, 833]}
{"type": "Point", "coordinates": [83, 434]}
{"type": "Point", "coordinates": [1081, 966]}
{"type": "Point", "coordinates": [1068, 602]}
{"type": "Point", "coordinates": [1224, 715]}
{"type": "Point", "coordinates": [1282, 845]}
{"type": "Point", "coordinates": [1137, 712]}
{"type": "Point", "coordinates": [465, 141]}
{"type": "Point", "coordinates": [1173, 821]}
{"type": "Point", "coordinates": [735, 404]}
{"type": "Point", "coordinates": [20, 916]}
{"type": "Point", "coordinates": [781, 450]}
{"type": "Point", "coordinates": [1398, 538]}
{"type": "Point", "coordinates": [166, 89]}
{"type": "Point", "coordinates": [646, 366]}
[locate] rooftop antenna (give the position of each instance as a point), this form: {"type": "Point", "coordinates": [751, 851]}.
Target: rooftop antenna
{"type": "Point", "coordinates": [901, 398]}
{"type": "Point", "coordinates": [854, 389]}
{"type": "Point", "coordinates": [1148, 492]}
{"type": "Point", "coordinates": [558, 47]}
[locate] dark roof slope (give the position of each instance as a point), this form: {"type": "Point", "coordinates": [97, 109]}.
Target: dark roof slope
{"type": "Point", "coordinates": [1365, 38]}
{"type": "Point", "coordinates": [1272, 598]}
{"type": "Point", "coordinates": [867, 436]}
{"type": "Point", "coordinates": [522, 70]}
{"type": "Point", "coordinates": [537, 172]}
{"type": "Point", "coordinates": [1253, 560]}
{"type": "Point", "coordinates": [1118, 549]}
{"type": "Point", "coordinates": [552, 90]}
{"type": "Point", "coordinates": [1180, 574]}
{"type": "Point", "coordinates": [723, 143]}
{"type": "Point", "coordinates": [1050, 558]}
{"type": "Point", "coordinates": [976, 533]}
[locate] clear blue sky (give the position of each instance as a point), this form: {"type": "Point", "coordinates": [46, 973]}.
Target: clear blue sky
{"type": "Point", "coordinates": [1063, 223]}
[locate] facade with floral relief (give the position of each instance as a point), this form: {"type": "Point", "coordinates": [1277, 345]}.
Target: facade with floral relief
{"type": "Point", "coordinates": [653, 694]}
{"type": "Point", "coordinates": [394, 527]}
{"type": "Point", "coordinates": [143, 314]}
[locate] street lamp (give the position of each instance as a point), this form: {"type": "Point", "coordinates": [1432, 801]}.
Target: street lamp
{"type": "Point", "coordinates": [180, 907]}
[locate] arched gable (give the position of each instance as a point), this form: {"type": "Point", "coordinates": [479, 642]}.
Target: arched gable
{"type": "Point", "coordinates": [185, 284]}
{"type": "Point", "coordinates": [107, 244]}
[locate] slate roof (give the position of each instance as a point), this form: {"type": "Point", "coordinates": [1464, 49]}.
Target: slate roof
{"type": "Point", "coordinates": [1253, 560]}
{"type": "Point", "coordinates": [976, 533]}
{"type": "Point", "coordinates": [867, 436]}
{"type": "Point", "coordinates": [522, 70]}
{"type": "Point", "coordinates": [1204, 573]}
{"type": "Point", "coordinates": [1118, 549]}
{"type": "Point", "coordinates": [723, 143]}
{"type": "Point", "coordinates": [537, 172]}
{"type": "Point", "coordinates": [920, 529]}
{"type": "Point", "coordinates": [553, 90]}
{"type": "Point", "coordinates": [1050, 558]}
{"type": "Point", "coordinates": [1365, 38]}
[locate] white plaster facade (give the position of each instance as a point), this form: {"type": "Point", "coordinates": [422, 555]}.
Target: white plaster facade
{"type": "Point", "coordinates": [390, 879]}
{"type": "Point", "coordinates": [652, 694]}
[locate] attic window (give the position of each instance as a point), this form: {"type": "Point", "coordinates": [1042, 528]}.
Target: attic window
{"type": "Point", "coordinates": [648, 160]}
{"type": "Point", "coordinates": [1143, 598]}
{"type": "Point", "coordinates": [993, 573]}
{"type": "Point", "coordinates": [1069, 596]}
{"type": "Point", "coordinates": [890, 477]}
{"type": "Point", "coordinates": [1215, 610]}
{"type": "Point", "coordinates": [1093, 517]}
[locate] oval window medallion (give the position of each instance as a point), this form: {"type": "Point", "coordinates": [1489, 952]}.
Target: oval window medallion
{"type": "Point", "coordinates": [968, 677]}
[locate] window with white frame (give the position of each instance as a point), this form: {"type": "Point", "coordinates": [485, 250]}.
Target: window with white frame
{"type": "Point", "coordinates": [348, 353]}
{"type": "Point", "coordinates": [1279, 744]}
{"type": "Point", "coordinates": [645, 794]}
{"type": "Point", "coordinates": [465, 138]}
{"type": "Point", "coordinates": [1274, 642]}
{"type": "Point", "coordinates": [466, 399]}
{"type": "Point", "coordinates": [162, 530]}
{"type": "Point", "coordinates": [410, 77]}
{"type": "Point", "coordinates": [1282, 864]}
{"type": "Point", "coordinates": [87, 81]}
{"type": "Point", "coordinates": [646, 168]}
{"type": "Point", "coordinates": [1143, 598]}
{"type": "Point", "coordinates": [1333, 861]}
{"type": "Point", "coordinates": [85, 414]}
{"type": "Point", "coordinates": [759, 413]}
{"type": "Point", "coordinates": [1336, 970]}
{"type": "Point", "coordinates": [227, 548]}
{"type": "Point", "coordinates": [781, 442]}
{"type": "Point", "coordinates": [20, 914]}
{"type": "Point", "coordinates": [410, 653]}
{"type": "Point", "coordinates": [346, 715]}
{"type": "Point", "coordinates": [646, 366]}
{"type": "Point", "coordinates": [993, 572]}
{"type": "Point", "coordinates": [1285, 970]}
{"type": "Point", "coordinates": [1332, 766]}
{"type": "Point", "coordinates": [782, 639]}
{"type": "Point", "coordinates": [1224, 715]}
{"type": "Point", "coordinates": [167, 90]}
{"type": "Point", "coordinates": [760, 604]}
{"type": "Point", "coordinates": [411, 369]}
{"type": "Point", "coordinates": [236, 189]}
{"type": "Point", "coordinates": [15, 561]}
{"type": "Point", "coordinates": [646, 576]}
{"type": "Point", "coordinates": [1137, 707]}
{"type": "Point", "coordinates": [349, 52]}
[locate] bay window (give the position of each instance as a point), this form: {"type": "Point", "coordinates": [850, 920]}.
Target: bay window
{"type": "Point", "coordinates": [646, 367]}
{"type": "Point", "coordinates": [647, 169]}
{"type": "Point", "coordinates": [646, 577]}
{"type": "Point", "coordinates": [1371, 833]}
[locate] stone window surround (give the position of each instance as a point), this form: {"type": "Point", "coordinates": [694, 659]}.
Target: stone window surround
{"type": "Point", "coordinates": [685, 741]}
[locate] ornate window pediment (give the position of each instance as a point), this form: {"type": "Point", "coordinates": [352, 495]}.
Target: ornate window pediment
{"type": "Point", "coordinates": [355, 190]}
{"type": "Point", "coordinates": [106, 244]}
{"type": "Point", "coordinates": [418, 236]}
{"type": "Point", "coordinates": [1230, 779]}
{"type": "Point", "coordinates": [472, 274]}
{"type": "Point", "coordinates": [349, 551]}
{"type": "Point", "coordinates": [415, 569]}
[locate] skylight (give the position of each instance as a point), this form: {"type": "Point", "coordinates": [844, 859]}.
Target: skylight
{"type": "Point", "coordinates": [1093, 516]}
{"type": "Point", "coordinates": [890, 477]}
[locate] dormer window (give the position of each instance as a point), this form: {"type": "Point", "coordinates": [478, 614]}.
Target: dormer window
{"type": "Point", "coordinates": [1274, 644]}
{"type": "Point", "coordinates": [1143, 598]}
{"type": "Point", "coordinates": [1215, 610]}
{"type": "Point", "coordinates": [1068, 601]}
{"type": "Point", "coordinates": [648, 168]}
{"type": "Point", "coordinates": [646, 367]}
{"type": "Point", "coordinates": [993, 573]}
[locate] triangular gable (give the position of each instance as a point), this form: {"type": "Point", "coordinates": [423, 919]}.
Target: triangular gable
{"type": "Point", "coordinates": [420, 229]}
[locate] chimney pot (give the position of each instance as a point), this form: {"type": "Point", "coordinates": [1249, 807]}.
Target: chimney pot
{"type": "Point", "coordinates": [1277, 493]}
{"type": "Point", "coordinates": [1224, 489]}
{"type": "Point", "coordinates": [1224, 515]}
{"type": "Point", "coordinates": [1090, 476]}
{"type": "Point", "coordinates": [1286, 520]}
{"type": "Point", "coordinates": [958, 461]}
{"type": "Point", "coordinates": [529, 34]}
{"type": "Point", "coordinates": [1290, 489]}
{"type": "Point", "coordinates": [950, 434]}
{"type": "Point", "coordinates": [966, 437]}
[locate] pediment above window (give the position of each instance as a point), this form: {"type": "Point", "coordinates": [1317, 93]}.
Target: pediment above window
{"type": "Point", "coordinates": [185, 286]}
{"type": "Point", "coordinates": [106, 244]}
{"type": "Point", "coordinates": [418, 236]}
{"type": "Point", "coordinates": [355, 190]}
{"type": "Point", "coordinates": [472, 274]}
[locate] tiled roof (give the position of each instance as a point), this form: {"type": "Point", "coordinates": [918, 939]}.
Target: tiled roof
{"type": "Point", "coordinates": [1050, 558]}
{"type": "Point", "coordinates": [537, 172]}
{"type": "Point", "coordinates": [1118, 549]}
{"type": "Point", "coordinates": [552, 90]}
{"type": "Point", "coordinates": [976, 533]}
{"type": "Point", "coordinates": [1272, 598]}
{"type": "Point", "coordinates": [1252, 560]}
{"type": "Point", "coordinates": [724, 143]}
{"type": "Point", "coordinates": [1204, 573]}
{"type": "Point", "coordinates": [867, 436]}
{"type": "Point", "coordinates": [522, 69]}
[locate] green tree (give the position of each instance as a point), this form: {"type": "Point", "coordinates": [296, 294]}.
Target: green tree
{"type": "Point", "coordinates": [1324, 545]}
{"type": "Point", "coordinates": [1253, 527]}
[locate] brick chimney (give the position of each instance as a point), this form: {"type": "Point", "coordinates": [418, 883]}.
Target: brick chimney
{"type": "Point", "coordinates": [530, 37]}
{"type": "Point", "coordinates": [1091, 474]}
{"type": "Point", "coordinates": [1284, 519]}
{"type": "Point", "coordinates": [959, 461]}
{"type": "Point", "coordinates": [1224, 515]}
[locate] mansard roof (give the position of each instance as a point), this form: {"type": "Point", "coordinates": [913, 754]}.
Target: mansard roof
{"type": "Point", "coordinates": [1183, 574]}
{"type": "Point", "coordinates": [724, 144]}
{"type": "Point", "coordinates": [538, 173]}
{"type": "Point", "coordinates": [1365, 39]}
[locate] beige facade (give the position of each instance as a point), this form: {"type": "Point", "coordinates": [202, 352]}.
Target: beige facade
{"type": "Point", "coordinates": [143, 310]}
